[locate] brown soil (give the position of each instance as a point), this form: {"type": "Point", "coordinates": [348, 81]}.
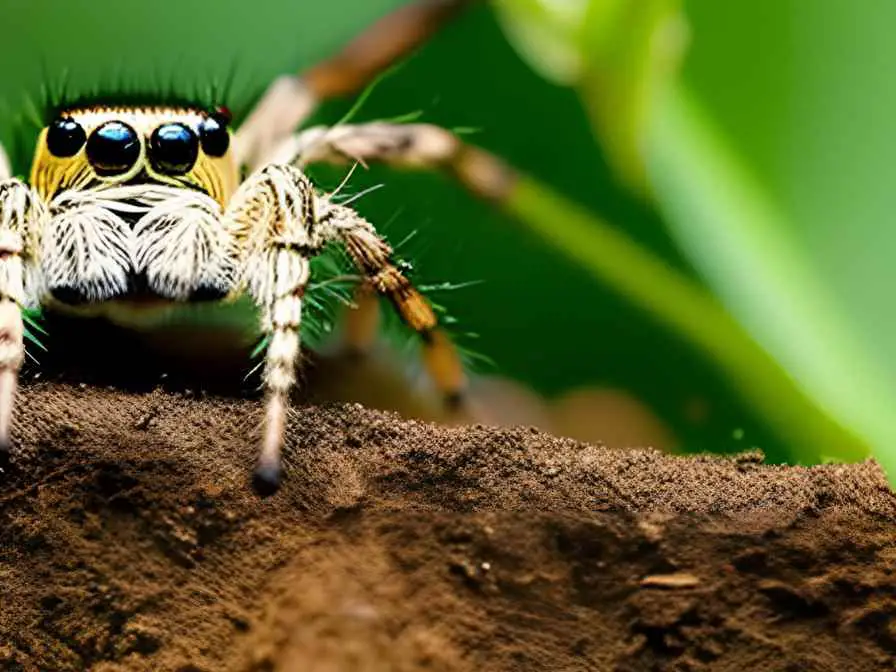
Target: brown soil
{"type": "Point", "coordinates": [130, 540]}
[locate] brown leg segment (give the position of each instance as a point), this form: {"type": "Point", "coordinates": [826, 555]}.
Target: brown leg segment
{"type": "Point", "coordinates": [373, 257]}
{"type": "Point", "coordinates": [439, 354]}
{"type": "Point", "coordinates": [403, 146]}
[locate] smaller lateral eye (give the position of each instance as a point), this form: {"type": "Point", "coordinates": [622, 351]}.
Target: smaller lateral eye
{"type": "Point", "coordinates": [65, 137]}
{"type": "Point", "coordinates": [214, 135]}
{"type": "Point", "coordinates": [223, 114]}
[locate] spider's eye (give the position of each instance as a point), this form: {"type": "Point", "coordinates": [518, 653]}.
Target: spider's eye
{"type": "Point", "coordinates": [113, 148]}
{"type": "Point", "coordinates": [173, 149]}
{"type": "Point", "coordinates": [223, 114]}
{"type": "Point", "coordinates": [214, 135]}
{"type": "Point", "coordinates": [65, 137]}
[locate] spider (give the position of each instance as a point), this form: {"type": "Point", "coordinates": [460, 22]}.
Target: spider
{"type": "Point", "coordinates": [134, 207]}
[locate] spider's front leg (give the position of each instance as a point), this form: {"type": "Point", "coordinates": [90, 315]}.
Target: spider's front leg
{"type": "Point", "coordinates": [272, 217]}
{"type": "Point", "coordinates": [22, 213]}
{"type": "Point", "coordinates": [280, 223]}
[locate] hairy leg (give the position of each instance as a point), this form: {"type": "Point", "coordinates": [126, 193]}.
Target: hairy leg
{"type": "Point", "coordinates": [415, 146]}
{"type": "Point", "coordinates": [272, 219]}
{"type": "Point", "coordinates": [21, 213]}
{"type": "Point", "coordinates": [278, 223]}
{"type": "Point", "coordinates": [403, 146]}
{"type": "Point", "coordinates": [373, 257]}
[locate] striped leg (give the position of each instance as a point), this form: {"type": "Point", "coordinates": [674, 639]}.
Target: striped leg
{"type": "Point", "coordinates": [402, 146]}
{"type": "Point", "coordinates": [279, 223]}
{"type": "Point", "coordinates": [373, 257]}
{"type": "Point", "coordinates": [417, 146]}
{"type": "Point", "coordinates": [20, 214]}
{"type": "Point", "coordinates": [272, 217]}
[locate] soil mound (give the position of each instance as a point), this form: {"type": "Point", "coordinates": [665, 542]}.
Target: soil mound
{"type": "Point", "coordinates": [130, 540]}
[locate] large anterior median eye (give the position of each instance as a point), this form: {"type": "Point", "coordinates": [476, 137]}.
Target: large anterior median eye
{"type": "Point", "coordinates": [65, 137]}
{"type": "Point", "coordinates": [113, 148]}
{"type": "Point", "coordinates": [173, 149]}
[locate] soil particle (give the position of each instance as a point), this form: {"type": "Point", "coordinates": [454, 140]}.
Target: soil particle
{"type": "Point", "coordinates": [130, 540]}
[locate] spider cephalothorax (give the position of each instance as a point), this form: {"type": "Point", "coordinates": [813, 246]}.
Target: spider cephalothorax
{"type": "Point", "coordinates": [129, 208]}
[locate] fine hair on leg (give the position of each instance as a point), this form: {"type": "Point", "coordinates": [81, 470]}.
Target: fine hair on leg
{"type": "Point", "coordinates": [373, 257]}
{"type": "Point", "coordinates": [272, 220]}
{"type": "Point", "coordinates": [278, 223]}
{"type": "Point", "coordinates": [21, 215]}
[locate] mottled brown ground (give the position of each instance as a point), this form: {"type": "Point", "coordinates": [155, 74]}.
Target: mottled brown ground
{"type": "Point", "coordinates": [129, 540]}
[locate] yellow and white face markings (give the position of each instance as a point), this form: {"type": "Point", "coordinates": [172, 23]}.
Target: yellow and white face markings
{"type": "Point", "coordinates": [94, 146]}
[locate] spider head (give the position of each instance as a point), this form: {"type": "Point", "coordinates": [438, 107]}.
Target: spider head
{"type": "Point", "coordinates": [93, 145]}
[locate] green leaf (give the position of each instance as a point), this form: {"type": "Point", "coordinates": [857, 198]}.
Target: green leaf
{"type": "Point", "coordinates": [619, 53]}
{"type": "Point", "coordinates": [622, 57]}
{"type": "Point", "coordinates": [740, 240]}
{"type": "Point", "coordinates": [547, 34]}
{"type": "Point", "coordinates": [687, 309]}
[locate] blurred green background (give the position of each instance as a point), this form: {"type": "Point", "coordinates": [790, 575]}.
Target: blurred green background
{"type": "Point", "coordinates": [736, 154]}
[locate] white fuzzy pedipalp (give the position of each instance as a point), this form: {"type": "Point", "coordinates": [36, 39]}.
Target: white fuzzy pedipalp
{"type": "Point", "coordinates": [97, 239]}
{"type": "Point", "coordinates": [181, 245]}
{"type": "Point", "coordinates": [87, 244]}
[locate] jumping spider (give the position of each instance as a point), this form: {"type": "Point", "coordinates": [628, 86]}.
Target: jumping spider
{"type": "Point", "coordinates": [129, 208]}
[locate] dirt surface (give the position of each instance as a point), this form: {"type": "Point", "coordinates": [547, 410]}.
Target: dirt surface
{"type": "Point", "coordinates": [130, 540]}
